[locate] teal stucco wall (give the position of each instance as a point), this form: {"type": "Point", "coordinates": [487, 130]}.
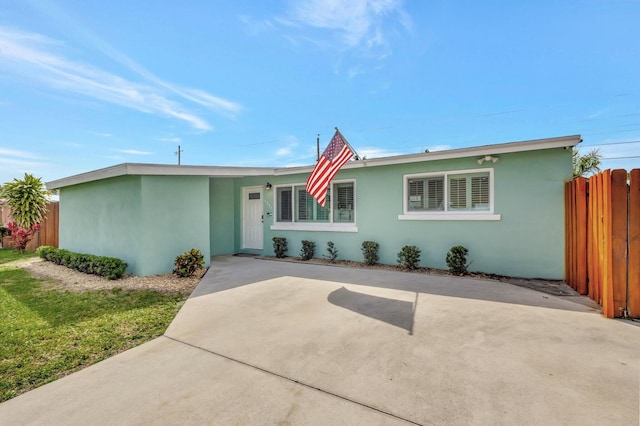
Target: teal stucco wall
{"type": "Point", "coordinates": [528, 241]}
{"type": "Point", "coordinates": [102, 218]}
{"type": "Point", "coordinates": [145, 220]}
{"type": "Point", "coordinates": [222, 216]}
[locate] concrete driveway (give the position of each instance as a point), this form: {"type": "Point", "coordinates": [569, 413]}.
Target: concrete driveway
{"type": "Point", "coordinates": [266, 342]}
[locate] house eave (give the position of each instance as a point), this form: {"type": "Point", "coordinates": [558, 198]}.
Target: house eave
{"type": "Point", "coordinates": [503, 148]}
{"type": "Point", "coordinates": [145, 169]}
{"type": "Point", "coordinates": [230, 171]}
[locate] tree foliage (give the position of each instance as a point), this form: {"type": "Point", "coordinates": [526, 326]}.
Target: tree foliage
{"type": "Point", "coordinates": [587, 164]}
{"type": "Point", "coordinates": [27, 198]}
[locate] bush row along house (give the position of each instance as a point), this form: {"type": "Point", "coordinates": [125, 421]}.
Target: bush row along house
{"type": "Point", "coordinates": [504, 202]}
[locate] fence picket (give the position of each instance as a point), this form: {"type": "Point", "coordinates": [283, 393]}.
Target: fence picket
{"type": "Point", "coordinates": [633, 301]}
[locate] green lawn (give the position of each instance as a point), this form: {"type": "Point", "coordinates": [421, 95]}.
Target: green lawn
{"type": "Point", "coordinates": [47, 334]}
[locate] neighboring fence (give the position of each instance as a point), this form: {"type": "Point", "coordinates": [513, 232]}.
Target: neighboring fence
{"type": "Point", "coordinates": [46, 236]}
{"type": "Point", "coordinates": [602, 218]}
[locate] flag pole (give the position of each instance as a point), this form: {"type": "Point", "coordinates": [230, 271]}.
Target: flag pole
{"type": "Point", "coordinates": [348, 144]}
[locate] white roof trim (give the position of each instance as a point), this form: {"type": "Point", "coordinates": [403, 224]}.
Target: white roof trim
{"type": "Point", "coordinates": [228, 171]}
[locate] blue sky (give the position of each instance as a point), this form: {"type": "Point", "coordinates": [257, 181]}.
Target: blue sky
{"type": "Point", "coordinates": [86, 85]}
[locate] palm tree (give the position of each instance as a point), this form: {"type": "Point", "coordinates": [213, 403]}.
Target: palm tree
{"type": "Point", "coordinates": [27, 200]}
{"type": "Point", "coordinates": [587, 164]}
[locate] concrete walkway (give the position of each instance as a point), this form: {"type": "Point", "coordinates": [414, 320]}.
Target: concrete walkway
{"type": "Point", "coordinates": [266, 342]}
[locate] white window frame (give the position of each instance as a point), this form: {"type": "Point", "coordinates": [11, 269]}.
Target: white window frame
{"type": "Point", "coordinates": [447, 215]}
{"type": "Point", "coordinates": [314, 226]}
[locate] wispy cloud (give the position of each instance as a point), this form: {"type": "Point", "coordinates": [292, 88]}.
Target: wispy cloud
{"type": "Point", "coordinates": [435, 148]}
{"type": "Point", "coordinates": [357, 23]}
{"type": "Point", "coordinates": [377, 152]}
{"type": "Point", "coordinates": [170, 139]}
{"type": "Point", "coordinates": [35, 57]}
{"type": "Point", "coordinates": [21, 163]}
{"type": "Point", "coordinates": [360, 28]}
{"type": "Point", "coordinates": [134, 152]}
{"type": "Point", "coordinates": [18, 154]}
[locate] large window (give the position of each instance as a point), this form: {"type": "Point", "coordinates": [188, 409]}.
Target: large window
{"type": "Point", "coordinates": [295, 206]}
{"type": "Point", "coordinates": [449, 195]}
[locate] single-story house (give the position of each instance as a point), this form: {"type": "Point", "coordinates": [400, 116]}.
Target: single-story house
{"type": "Point", "coordinates": [503, 202]}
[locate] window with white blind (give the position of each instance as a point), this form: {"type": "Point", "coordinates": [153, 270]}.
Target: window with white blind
{"type": "Point", "coordinates": [451, 195]}
{"type": "Point", "coordinates": [296, 209]}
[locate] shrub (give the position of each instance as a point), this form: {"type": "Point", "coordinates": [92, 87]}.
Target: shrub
{"type": "Point", "coordinates": [308, 249]}
{"type": "Point", "coordinates": [370, 252]}
{"type": "Point", "coordinates": [109, 267]}
{"type": "Point", "coordinates": [280, 246]}
{"type": "Point", "coordinates": [333, 252]}
{"type": "Point", "coordinates": [188, 263]}
{"type": "Point", "coordinates": [44, 252]}
{"type": "Point", "coordinates": [20, 237]}
{"type": "Point", "coordinates": [409, 257]}
{"type": "Point", "coordinates": [457, 260]}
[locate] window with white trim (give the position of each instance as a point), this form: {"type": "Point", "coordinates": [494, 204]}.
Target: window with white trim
{"type": "Point", "coordinates": [464, 194]}
{"type": "Point", "coordinates": [295, 205]}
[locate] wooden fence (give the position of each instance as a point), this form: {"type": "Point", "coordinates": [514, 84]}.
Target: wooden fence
{"type": "Point", "coordinates": [602, 218]}
{"type": "Point", "coordinates": [47, 235]}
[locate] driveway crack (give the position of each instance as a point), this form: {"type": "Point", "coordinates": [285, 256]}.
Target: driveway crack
{"type": "Point", "coordinates": [298, 382]}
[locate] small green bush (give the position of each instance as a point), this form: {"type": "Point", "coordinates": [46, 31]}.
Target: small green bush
{"type": "Point", "coordinates": [280, 247]}
{"type": "Point", "coordinates": [188, 263]}
{"type": "Point", "coordinates": [109, 267]}
{"type": "Point", "coordinates": [333, 252]}
{"type": "Point", "coordinates": [409, 257]}
{"type": "Point", "coordinates": [370, 252]}
{"type": "Point", "coordinates": [457, 260]}
{"type": "Point", "coordinates": [308, 249]}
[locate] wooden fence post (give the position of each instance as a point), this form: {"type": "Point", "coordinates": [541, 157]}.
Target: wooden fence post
{"type": "Point", "coordinates": [633, 302]}
{"type": "Point", "coordinates": [595, 196]}
{"type": "Point", "coordinates": [581, 235]}
{"type": "Point", "coordinates": [608, 307]}
{"type": "Point", "coordinates": [619, 223]}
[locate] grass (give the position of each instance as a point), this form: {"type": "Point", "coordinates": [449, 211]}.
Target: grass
{"type": "Point", "coordinates": [48, 333]}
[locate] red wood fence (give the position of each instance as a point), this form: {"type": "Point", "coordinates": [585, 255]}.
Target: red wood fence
{"type": "Point", "coordinates": [46, 236]}
{"type": "Point", "coordinates": [602, 218]}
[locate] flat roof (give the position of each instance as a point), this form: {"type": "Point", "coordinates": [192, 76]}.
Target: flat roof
{"type": "Point", "coordinates": [229, 171]}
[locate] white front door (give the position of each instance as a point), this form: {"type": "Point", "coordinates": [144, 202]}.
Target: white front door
{"type": "Point", "coordinates": [252, 220]}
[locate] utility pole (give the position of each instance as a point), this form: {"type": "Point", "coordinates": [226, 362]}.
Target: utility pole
{"type": "Point", "coordinates": [178, 154]}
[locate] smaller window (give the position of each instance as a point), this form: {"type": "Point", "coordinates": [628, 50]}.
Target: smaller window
{"type": "Point", "coordinates": [426, 194]}
{"type": "Point", "coordinates": [284, 204]}
{"type": "Point", "coordinates": [343, 202]}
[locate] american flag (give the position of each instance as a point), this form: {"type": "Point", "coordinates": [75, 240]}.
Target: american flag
{"type": "Point", "coordinates": [332, 159]}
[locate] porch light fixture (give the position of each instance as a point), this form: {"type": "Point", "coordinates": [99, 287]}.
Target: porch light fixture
{"type": "Point", "coordinates": [494, 160]}
{"type": "Point", "coordinates": [267, 186]}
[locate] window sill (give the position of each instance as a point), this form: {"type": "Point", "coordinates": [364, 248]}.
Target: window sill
{"type": "Point", "coordinates": [450, 216]}
{"type": "Point", "coordinates": [330, 227]}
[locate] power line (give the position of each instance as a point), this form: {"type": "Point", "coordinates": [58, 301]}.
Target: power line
{"type": "Point", "coordinates": [612, 143]}
{"type": "Point", "coordinates": [621, 158]}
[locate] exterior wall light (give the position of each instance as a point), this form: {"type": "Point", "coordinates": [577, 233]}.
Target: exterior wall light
{"type": "Point", "coordinates": [267, 186]}
{"type": "Point", "coordinates": [494, 160]}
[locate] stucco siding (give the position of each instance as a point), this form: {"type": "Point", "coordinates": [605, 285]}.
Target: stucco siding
{"type": "Point", "coordinates": [222, 216]}
{"type": "Point", "coordinates": [103, 218]}
{"type": "Point", "coordinates": [144, 220]}
{"type": "Point", "coordinates": [527, 241]}
{"type": "Point", "coordinates": [175, 218]}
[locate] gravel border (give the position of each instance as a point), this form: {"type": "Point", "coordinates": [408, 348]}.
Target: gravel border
{"type": "Point", "coordinates": [65, 278]}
